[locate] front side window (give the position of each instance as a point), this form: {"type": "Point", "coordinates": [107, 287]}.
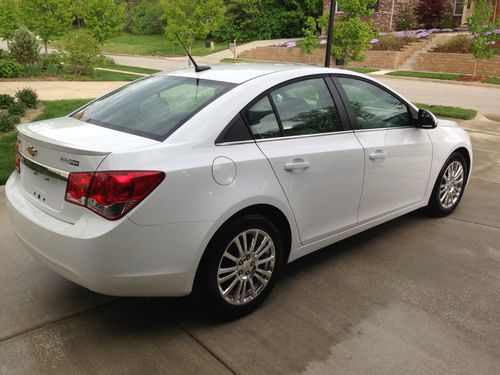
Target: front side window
{"type": "Point", "coordinates": [374, 107]}
{"type": "Point", "coordinates": [153, 107]}
{"type": "Point", "coordinates": [262, 120]}
{"type": "Point", "coordinates": [459, 7]}
{"type": "Point", "coordinates": [306, 107]}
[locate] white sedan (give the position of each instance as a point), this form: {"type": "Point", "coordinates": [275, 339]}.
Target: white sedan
{"type": "Point", "coordinates": [211, 181]}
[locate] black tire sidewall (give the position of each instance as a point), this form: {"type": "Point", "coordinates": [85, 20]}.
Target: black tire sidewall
{"type": "Point", "coordinates": [208, 278]}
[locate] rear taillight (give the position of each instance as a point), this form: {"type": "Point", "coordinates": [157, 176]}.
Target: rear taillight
{"type": "Point", "coordinates": [18, 159]}
{"type": "Point", "coordinates": [111, 194]}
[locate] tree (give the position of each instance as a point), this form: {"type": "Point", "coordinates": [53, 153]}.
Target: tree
{"type": "Point", "coordinates": [351, 35]}
{"type": "Point", "coordinates": [310, 40]}
{"type": "Point", "coordinates": [431, 12]}
{"type": "Point", "coordinates": [24, 47]}
{"type": "Point", "coordinates": [80, 51]}
{"type": "Point", "coordinates": [147, 18]}
{"type": "Point", "coordinates": [483, 32]}
{"type": "Point", "coordinates": [191, 19]}
{"type": "Point", "coordinates": [9, 18]}
{"type": "Point", "coordinates": [104, 19]}
{"type": "Point", "coordinates": [47, 18]}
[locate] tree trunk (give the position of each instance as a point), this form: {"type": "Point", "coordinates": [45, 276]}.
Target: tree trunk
{"type": "Point", "coordinates": [190, 49]}
{"type": "Point", "coordinates": [475, 69]}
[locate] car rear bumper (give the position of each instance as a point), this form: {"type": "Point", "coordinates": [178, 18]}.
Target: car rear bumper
{"type": "Point", "coordinates": [111, 257]}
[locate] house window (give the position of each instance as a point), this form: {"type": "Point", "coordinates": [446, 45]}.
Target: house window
{"type": "Point", "coordinates": [338, 9]}
{"type": "Point", "coordinates": [459, 7]}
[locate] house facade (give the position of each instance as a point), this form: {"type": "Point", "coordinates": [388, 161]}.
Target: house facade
{"type": "Point", "coordinates": [386, 12]}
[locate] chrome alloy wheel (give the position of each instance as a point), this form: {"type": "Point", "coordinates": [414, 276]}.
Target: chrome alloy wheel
{"type": "Point", "coordinates": [246, 266]}
{"type": "Point", "coordinates": [451, 185]}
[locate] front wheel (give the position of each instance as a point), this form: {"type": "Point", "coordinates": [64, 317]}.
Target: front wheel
{"type": "Point", "coordinates": [241, 266]}
{"type": "Point", "coordinates": [449, 187]}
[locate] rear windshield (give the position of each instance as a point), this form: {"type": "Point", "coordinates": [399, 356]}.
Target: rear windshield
{"type": "Point", "coordinates": [153, 107]}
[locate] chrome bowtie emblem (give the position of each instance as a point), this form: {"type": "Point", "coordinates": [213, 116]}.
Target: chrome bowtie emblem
{"type": "Point", "coordinates": [32, 151]}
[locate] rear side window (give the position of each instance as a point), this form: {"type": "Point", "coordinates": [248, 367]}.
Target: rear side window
{"type": "Point", "coordinates": [306, 107]}
{"type": "Point", "coordinates": [262, 120]}
{"type": "Point", "coordinates": [153, 107]}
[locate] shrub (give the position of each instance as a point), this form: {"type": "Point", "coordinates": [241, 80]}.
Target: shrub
{"type": "Point", "coordinates": [457, 44]}
{"type": "Point", "coordinates": [9, 69]}
{"type": "Point", "coordinates": [32, 70]}
{"type": "Point", "coordinates": [28, 97]}
{"type": "Point", "coordinates": [8, 122]}
{"type": "Point", "coordinates": [392, 42]}
{"type": "Point", "coordinates": [24, 47]}
{"type": "Point", "coordinates": [16, 109]}
{"type": "Point", "coordinates": [53, 58]}
{"type": "Point", "coordinates": [431, 12]}
{"type": "Point", "coordinates": [6, 100]}
{"type": "Point", "coordinates": [81, 51]}
{"type": "Point", "coordinates": [405, 18]}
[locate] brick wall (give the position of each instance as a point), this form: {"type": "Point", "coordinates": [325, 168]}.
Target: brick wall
{"type": "Point", "coordinates": [457, 63]}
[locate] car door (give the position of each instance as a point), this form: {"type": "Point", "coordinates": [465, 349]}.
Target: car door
{"type": "Point", "coordinates": [318, 162]}
{"type": "Point", "coordinates": [398, 155]}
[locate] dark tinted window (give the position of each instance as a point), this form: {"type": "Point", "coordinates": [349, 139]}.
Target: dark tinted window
{"type": "Point", "coordinates": [236, 131]}
{"type": "Point", "coordinates": [262, 120]}
{"type": "Point", "coordinates": [306, 107]}
{"type": "Point", "coordinates": [153, 107]}
{"type": "Point", "coordinates": [374, 107]}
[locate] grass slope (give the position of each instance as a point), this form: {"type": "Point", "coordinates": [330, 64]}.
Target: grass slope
{"type": "Point", "coordinates": [451, 112]}
{"type": "Point", "coordinates": [154, 45]}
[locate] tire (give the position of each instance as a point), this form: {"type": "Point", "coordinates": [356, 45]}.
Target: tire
{"type": "Point", "coordinates": [235, 293]}
{"type": "Point", "coordinates": [449, 187]}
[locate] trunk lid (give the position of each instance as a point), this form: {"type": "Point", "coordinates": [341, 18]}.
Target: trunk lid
{"type": "Point", "coordinates": [51, 149]}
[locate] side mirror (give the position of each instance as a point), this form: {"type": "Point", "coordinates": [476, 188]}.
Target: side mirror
{"type": "Point", "coordinates": [426, 119]}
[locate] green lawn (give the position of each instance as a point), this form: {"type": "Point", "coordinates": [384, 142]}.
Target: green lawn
{"type": "Point", "coordinates": [155, 45]}
{"type": "Point", "coordinates": [100, 75]}
{"type": "Point", "coordinates": [55, 108]}
{"type": "Point", "coordinates": [133, 69]}
{"type": "Point", "coordinates": [493, 80]}
{"type": "Point", "coordinates": [362, 70]}
{"type": "Point", "coordinates": [7, 157]}
{"type": "Point", "coordinates": [452, 112]}
{"type": "Point", "coordinates": [407, 73]}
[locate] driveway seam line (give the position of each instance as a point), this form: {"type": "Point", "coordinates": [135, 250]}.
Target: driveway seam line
{"type": "Point", "coordinates": [198, 341]}
{"type": "Point", "coordinates": [473, 222]}
{"type": "Point", "coordinates": [28, 331]}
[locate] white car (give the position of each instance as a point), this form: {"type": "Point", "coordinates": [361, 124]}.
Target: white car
{"type": "Point", "coordinates": [212, 181]}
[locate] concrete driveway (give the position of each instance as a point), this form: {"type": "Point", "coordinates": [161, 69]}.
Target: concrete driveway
{"type": "Point", "coordinates": [416, 295]}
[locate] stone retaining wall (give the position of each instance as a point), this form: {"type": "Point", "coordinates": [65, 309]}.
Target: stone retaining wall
{"type": "Point", "coordinates": [373, 59]}
{"type": "Point", "coordinates": [461, 63]}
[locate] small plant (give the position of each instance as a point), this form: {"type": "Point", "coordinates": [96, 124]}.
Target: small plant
{"type": "Point", "coordinates": [8, 122]}
{"type": "Point", "coordinates": [16, 109]}
{"type": "Point", "coordinates": [9, 69]}
{"type": "Point", "coordinates": [32, 70]}
{"type": "Point", "coordinates": [53, 58]}
{"type": "Point", "coordinates": [24, 47]}
{"type": "Point", "coordinates": [6, 100]}
{"type": "Point", "coordinates": [457, 44]}
{"type": "Point", "coordinates": [81, 51]}
{"type": "Point", "coordinates": [28, 97]}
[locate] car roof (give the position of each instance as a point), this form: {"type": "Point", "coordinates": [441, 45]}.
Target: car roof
{"type": "Point", "coordinates": [241, 72]}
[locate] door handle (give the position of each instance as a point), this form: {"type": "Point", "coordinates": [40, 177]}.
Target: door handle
{"type": "Point", "coordinates": [378, 155]}
{"type": "Point", "coordinates": [297, 164]}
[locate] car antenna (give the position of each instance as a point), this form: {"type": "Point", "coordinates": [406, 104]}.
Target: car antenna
{"type": "Point", "coordinates": [197, 68]}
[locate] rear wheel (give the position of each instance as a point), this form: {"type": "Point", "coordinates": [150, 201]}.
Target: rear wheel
{"type": "Point", "coordinates": [449, 187]}
{"type": "Point", "coordinates": [241, 266]}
